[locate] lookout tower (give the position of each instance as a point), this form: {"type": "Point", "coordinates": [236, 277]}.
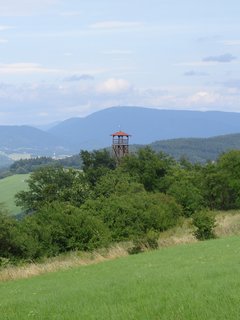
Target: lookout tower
{"type": "Point", "coordinates": [120, 144]}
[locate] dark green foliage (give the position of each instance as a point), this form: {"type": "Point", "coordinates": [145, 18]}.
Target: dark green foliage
{"type": "Point", "coordinates": [59, 228]}
{"type": "Point", "coordinates": [29, 165]}
{"type": "Point", "coordinates": [14, 243]}
{"type": "Point", "coordinates": [148, 168]}
{"type": "Point", "coordinates": [204, 221]}
{"type": "Point", "coordinates": [185, 187]}
{"type": "Point", "coordinates": [96, 164]}
{"type": "Point", "coordinates": [116, 182]}
{"type": "Point", "coordinates": [50, 184]}
{"type": "Point", "coordinates": [221, 181]}
{"type": "Point", "coordinates": [56, 228]}
{"type": "Point", "coordinates": [131, 216]}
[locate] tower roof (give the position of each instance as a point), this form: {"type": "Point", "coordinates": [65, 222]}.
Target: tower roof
{"type": "Point", "coordinates": [120, 134]}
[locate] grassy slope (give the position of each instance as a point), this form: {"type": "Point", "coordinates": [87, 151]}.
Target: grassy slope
{"type": "Point", "coordinates": [195, 281]}
{"type": "Point", "coordinates": [9, 187]}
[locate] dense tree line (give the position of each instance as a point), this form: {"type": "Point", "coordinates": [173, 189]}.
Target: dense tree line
{"type": "Point", "coordinates": [70, 209]}
{"type": "Point", "coordinates": [24, 166]}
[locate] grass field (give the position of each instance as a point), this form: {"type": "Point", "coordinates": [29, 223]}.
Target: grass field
{"type": "Point", "coordinates": [9, 187]}
{"type": "Point", "coordinates": [195, 281]}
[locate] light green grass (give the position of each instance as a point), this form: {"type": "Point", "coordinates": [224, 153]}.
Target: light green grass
{"type": "Point", "coordinates": [196, 281]}
{"type": "Point", "coordinates": [9, 187]}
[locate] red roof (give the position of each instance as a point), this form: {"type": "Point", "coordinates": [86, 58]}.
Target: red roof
{"type": "Point", "coordinates": [120, 133]}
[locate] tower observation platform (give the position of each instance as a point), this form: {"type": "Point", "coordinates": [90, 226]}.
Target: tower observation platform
{"type": "Point", "coordinates": [120, 144]}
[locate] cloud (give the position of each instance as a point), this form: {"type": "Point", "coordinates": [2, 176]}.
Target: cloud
{"type": "Point", "coordinates": [114, 86]}
{"type": "Point", "coordinates": [3, 28]}
{"type": "Point", "coordinates": [71, 14]}
{"type": "Point", "coordinates": [25, 68]}
{"type": "Point", "coordinates": [24, 7]}
{"type": "Point", "coordinates": [118, 52]}
{"type": "Point", "coordinates": [227, 57]}
{"type": "Point", "coordinates": [109, 25]}
{"type": "Point", "coordinates": [3, 41]}
{"type": "Point", "coordinates": [81, 77]}
{"type": "Point", "coordinates": [193, 73]}
{"type": "Point", "coordinates": [204, 97]}
{"type": "Point", "coordinates": [231, 42]}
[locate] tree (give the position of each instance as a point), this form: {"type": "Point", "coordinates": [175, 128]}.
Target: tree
{"type": "Point", "coordinates": [185, 187]}
{"type": "Point", "coordinates": [116, 182]}
{"type": "Point", "coordinates": [50, 184]}
{"type": "Point", "coordinates": [97, 164]}
{"type": "Point", "coordinates": [149, 168]}
{"type": "Point", "coordinates": [221, 182]}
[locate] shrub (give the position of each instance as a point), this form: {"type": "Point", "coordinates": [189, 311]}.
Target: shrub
{"type": "Point", "coordinates": [204, 221]}
{"type": "Point", "coordinates": [131, 216]}
{"type": "Point", "coordinates": [59, 227]}
{"type": "Point", "coordinates": [14, 243]}
{"type": "Point", "coordinates": [148, 241]}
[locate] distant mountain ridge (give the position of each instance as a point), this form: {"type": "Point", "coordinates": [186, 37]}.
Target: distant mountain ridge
{"type": "Point", "coordinates": [145, 125]}
{"type": "Point", "coordinates": [22, 139]}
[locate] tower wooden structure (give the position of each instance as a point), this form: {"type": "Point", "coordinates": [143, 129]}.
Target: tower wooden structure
{"type": "Point", "coordinates": [120, 144]}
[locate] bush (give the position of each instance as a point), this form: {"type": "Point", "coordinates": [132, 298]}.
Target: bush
{"type": "Point", "coordinates": [204, 221]}
{"type": "Point", "coordinates": [14, 243]}
{"type": "Point", "coordinates": [131, 216]}
{"type": "Point", "coordinates": [59, 227]}
{"type": "Point", "coordinates": [149, 241]}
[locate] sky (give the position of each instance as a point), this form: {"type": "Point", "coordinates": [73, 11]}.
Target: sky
{"type": "Point", "coordinates": [69, 58]}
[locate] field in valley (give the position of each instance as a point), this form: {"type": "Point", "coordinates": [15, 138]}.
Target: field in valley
{"type": "Point", "coordinates": [9, 187]}
{"type": "Point", "coordinates": [194, 281]}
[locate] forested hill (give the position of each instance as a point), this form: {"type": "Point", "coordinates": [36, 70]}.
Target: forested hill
{"type": "Point", "coordinates": [198, 149]}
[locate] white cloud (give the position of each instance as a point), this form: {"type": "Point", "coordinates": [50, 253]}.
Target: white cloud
{"type": "Point", "coordinates": [3, 40]}
{"type": "Point", "coordinates": [118, 52]}
{"type": "Point", "coordinates": [231, 43]}
{"type": "Point", "coordinates": [3, 27]}
{"type": "Point", "coordinates": [71, 14]}
{"type": "Point", "coordinates": [114, 86]}
{"type": "Point", "coordinates": [24, 7]}
{"type": "Point", "coordinates": [58, 101]}
{"type": "Point", "coordinates": [23, 68]}
{"type": "Point", "coordinates": [115, 25]}
{"type": "Point", "coordinates": [204, 97]}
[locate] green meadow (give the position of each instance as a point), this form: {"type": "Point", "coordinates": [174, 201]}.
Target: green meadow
{"type": "Point", "coordinates": [195, 281]}
{"type": "Point", "coordinates": [9, 187]}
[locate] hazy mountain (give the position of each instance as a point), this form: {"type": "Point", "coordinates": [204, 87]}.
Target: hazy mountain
{"type": "Point", "coordinates": [145, 125]}
{"type": "Point", "coordinates": [26, 139]}
{"type": "Point", "coordinates": [48, 126]}
{"type": "Point", "coordinates": [5, 161]}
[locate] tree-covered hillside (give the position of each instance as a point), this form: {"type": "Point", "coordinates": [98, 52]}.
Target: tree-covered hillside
{"type": "Point", "coordinates": [198, 149]}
